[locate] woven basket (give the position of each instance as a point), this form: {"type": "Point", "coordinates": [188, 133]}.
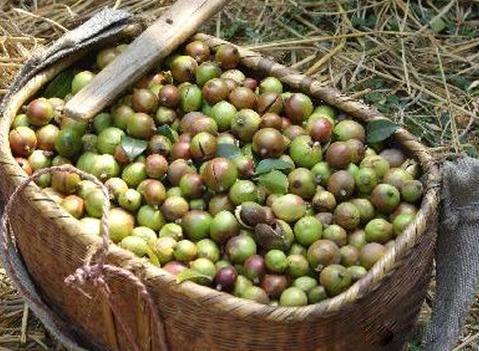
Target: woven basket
{"type": "Point", "coordinates": [377, 313]}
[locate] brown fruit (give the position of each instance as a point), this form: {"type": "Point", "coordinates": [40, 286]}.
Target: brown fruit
{"type": "Point", "coordinates": [395, 157]}
{"type": "Point", "coordinates": [341, 184]}
{"type": "Point", "coordinates": [269, 102]}
{"type": "Point", "coordinates": [339, 155]}
{"type": "Point", "coordinates": [198, 50]}
{"type": "Point", "coordinates": [271, 120]}
{"type": "Point", "coordinates": [227, 56]}
{"type": "Point", "coordinates": [215, 90]}
{"type": "Point", "coordinates": [268, 143]}
{"type": "Point", "coordinates": [323, 253]}
{"type": "Point", "coordinates": [144, 100]}
{"type": "Point", "coordinates": [370, 254]}
{"type": "Point", "coordinates": [169, 96]}
{"type": "Point", "coordinates": [320, 129]}
{"type": "Point", "coordinates": [242, 98]}
{"type": "Point", "coordinates": [347, 216]}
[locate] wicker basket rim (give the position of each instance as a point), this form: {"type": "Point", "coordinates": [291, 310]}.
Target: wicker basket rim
{"type": "Point", "coordinates": [205, 295]}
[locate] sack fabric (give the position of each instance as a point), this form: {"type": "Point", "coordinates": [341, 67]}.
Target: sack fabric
{"type": "Point", "coordinates": [457, 256]}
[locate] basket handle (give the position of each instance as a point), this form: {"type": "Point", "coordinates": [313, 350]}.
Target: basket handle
{"type": "Point", "coordinates": [158, 41]}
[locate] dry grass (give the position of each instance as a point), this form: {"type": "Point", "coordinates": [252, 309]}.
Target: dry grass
{"type": "Point", "coordinates": [416, 61]}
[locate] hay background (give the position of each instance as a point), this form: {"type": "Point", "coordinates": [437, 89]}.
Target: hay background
{"type": "Point", "coordinates": [416, 61]}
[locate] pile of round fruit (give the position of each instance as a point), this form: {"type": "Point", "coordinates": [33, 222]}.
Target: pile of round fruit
{"type": "Point", "coordinates": [223, 179]}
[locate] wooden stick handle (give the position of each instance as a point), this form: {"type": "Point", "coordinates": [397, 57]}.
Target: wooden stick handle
{"type": "Point", "coordinates": [158, 41]}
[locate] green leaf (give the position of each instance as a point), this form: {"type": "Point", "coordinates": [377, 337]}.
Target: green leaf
{"type": "Point", "coordinates": [275, 181]}
{"type": "Point", "coordinates": [166, 131]}
{"type": "Point", "coordinates": [269, 164]}
{"type": "Point", "coordinates": [380, 129]}
{"type": "Point", "coordinates": [228, 151]}
{"type": "Point", "coordinates": [133, 147]}
{"type": "Point", "coordinates": [60, 86]}
{"type": "Point", "coordinates": [189, 274]}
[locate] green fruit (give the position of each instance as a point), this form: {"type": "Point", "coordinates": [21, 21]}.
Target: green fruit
{"type": "Point", "coordinates": [397, 177]}
{"type": "Point", "coordinates": [150, 217]}
{"type": "Point", "coordinates": [379, 164]}
{"type": "Point", "coordinates": [239, 248]}
{"type": "Point", "coordinates": [94, 203]}
{"type": "Point", "coordinates": [141, 126]}
{"type": "Point", "coordinates": [270, 85]}
{"type": "Point", "coordinates": [298, 266]}
{"type": "Point", "coordinates": [87, 161]}
{"type": "Point", "coordinates": [207, 71]}
{"type": "Point", "coordinates": [109, 139]}
{"type": "Point", "coordinates": [357, 272]}
{"type": "Point", "coordinates": [101, 122]}
{"type": "Point", "coordinates": [134, 174]}
{"type": "Point", "coordinates": [366, 180]}
{"type": "Point", "coordinates": [370, 254]}
{"type": "Point", "coordinates": [223, 113]}
{"type": "Point", "coordinates": [190, 98]}
{"type": "Point", "coordinates": [257, 294]}
{"type": "Point", "coordinates": [120, 116]}
{"type": "Point", "coordinates": [336, 234]}
{"type": "Point", "coordinates": [241, 285]}
{"type": "Point", "coordinates": [206, 268]}
{"type": "Point", "coordinates": [293, 297]}
{"type": "Point", "coordinates": [46, 137]}
{"type": "Point", "coordinates": [81, 80]}
{"type": "Point", "coordinates": [165, 115]}
{"type": "Point", "coordinates": [305, 152]}
{"type": "Point", "coordinates": [171, 230]}
{"type": "Point", "coordinates": [207, 248]}
{"type": "Point", "coordinates": [243, 191]}
{"type": "Point", "coordinates": [317, 294]}
{"type": "Point", "coordinates": [308, 230]}
{"type": "Point", "coordinates": [325, 110]}
{"type": "Point", "coordinates": [305, 283]}
{"type": "Point", "coordinates": [323, 253]}
{"type": "Point", "coordinates": [224, 226]}
{"type": "Point", "coordinates": [185, 251]}
{"type": "Point", "coordinates": [183, 68]}
{"type": "Point", "coordinates": [91, 226]}
{"type": "Point", "coordinates": [121, 224]}
{"type": "Point", "coordinates": [349, 129]}
{"type": "Point", "coordinates": [385, 197]}
{"type": "Point", "coordinates": [245, 124]}
{"type": "Point", "coordinates": [321, 172]}
{"type": "Point", "coordinates": [146, 234]}
{"type": "Point", "coordinates": [136, 245]}
{"type": "Point", "coordinates": [20, 120]}
{"type": "Point", "coordinates": [412, 190]}
{"type": "Point", "coordinates": [68, 143]}
{"type": "Point", "coordinates": [196, 225]}
{"type": "Point", "coordinates": [302, 183]}
{"type": "Point", "coordinates": [106, 56]}
{"type": "Point", "coordinates": [289, 208]}
{"type": "Point", "coordinates": [116, 186]}
{"type": "Point", "coordinates": [154, 193]}
{"type": "Point", "coordinates": [297, 249]}
{"type": "Point", "coordinates": [74, 205]}
{"type": "Point", "coordinates": [347, 216]}
{"type": "Point", "coordinates": [366, 209]}
{"type": "Point", "coordinates": [105, 167]}
{"type": "Point", "coordinates": [164, 249]}
{"type": "Point", "coordinates": [89, 142]}
{"type": "Point", "coordinates": [378, 230]}
{"type": "Point", "coordinates": [401, 222]}
{"type": "Point", "coordinates": [38, 160]}
{"type": "Point", "coordinates": [130, 200]}
{"type": "Point", "coordinates": [357, 239]}
{"type": "Point", "coordinates": [335, 279]}
{"type": "Point", "coordinates": [276, 261]}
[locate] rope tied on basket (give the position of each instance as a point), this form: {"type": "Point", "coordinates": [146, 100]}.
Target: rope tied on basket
{"type": "Point", "coordinates": [93, 273]}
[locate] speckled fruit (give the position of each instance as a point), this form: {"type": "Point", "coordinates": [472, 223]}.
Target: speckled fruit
{"type": "Point", "coordinates": [347, 215]}
{"type": "Point", "coordinates": [412, 190]}
{"type": "Point", "coordinates": [366, 209]}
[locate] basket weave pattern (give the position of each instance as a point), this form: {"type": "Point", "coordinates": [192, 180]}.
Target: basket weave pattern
{"type": "Point", "coordinates": [377, 313]}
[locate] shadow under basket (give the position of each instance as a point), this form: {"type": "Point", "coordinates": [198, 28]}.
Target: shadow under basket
{"type": "Point", "coordinates": [377, 313]}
